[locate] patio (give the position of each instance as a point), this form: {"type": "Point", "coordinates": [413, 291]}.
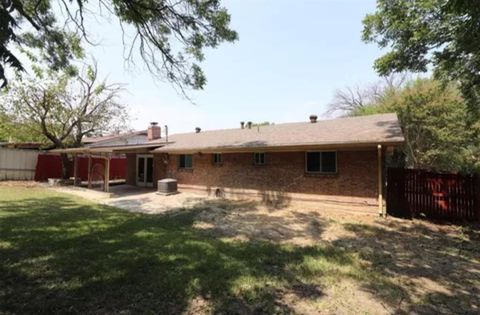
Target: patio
{"type": "Point", "coordinates": [300, 223]}
{"type": "Point", "coordinates": [138, 199]}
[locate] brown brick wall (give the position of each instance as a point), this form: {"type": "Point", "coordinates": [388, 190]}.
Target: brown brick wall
{"type": "Point", "coordinates": [284, 171]}
{"type": "Point", "coordinates": [131, 169]}
{"type": "Point", "coordinates": [159, 167]}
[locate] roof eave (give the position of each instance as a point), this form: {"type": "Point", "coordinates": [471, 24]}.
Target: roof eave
{"type": "Point", "coordinates": [280, 148]}
{"type": "Point", "coordinates": [108, 149]}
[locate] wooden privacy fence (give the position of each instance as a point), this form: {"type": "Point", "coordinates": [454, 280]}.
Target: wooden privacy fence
{"type": "Point", "coordinates": [418, 193]}
{"type": "Point", "coordinates": [50, 166]}
{"type": "Point", "coordinates": [16, 164]}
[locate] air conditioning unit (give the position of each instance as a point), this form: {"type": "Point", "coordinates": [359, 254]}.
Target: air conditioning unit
{"type": "Point", "coordinates": [167, 186]}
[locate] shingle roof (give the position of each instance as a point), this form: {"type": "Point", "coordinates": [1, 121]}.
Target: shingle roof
{"type": "Point", "coordinates": [89, 140]}
{"type": "Point", "coordinates": [374, 129]}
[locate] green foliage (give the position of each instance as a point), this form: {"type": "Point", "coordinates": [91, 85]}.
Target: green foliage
{"type": "Point", "coordinates": [170, 36]}
{"type": "Point", "coordinates": [58, 109]}
{"type": "Point", "coordinates": [434, 120]}
{"type": "Point", "coordinates": [41, 32]}
{"type": "Point", "coordinates": [5, 127]}
{"type": "Point", "coordinates": [441, 34]}
{"type": "Point", "coordinates": [10, 130]}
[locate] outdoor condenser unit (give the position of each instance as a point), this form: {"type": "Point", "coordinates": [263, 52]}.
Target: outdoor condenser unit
{"type": "Point", "coordinates": [167, 186]}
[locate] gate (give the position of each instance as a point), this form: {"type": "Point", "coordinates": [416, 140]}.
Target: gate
{"type": "Point", "coordinates": [419, 193]}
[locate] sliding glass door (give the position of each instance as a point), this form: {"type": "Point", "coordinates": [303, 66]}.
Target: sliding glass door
{"type": "Point", "coordinates": [145, 170]}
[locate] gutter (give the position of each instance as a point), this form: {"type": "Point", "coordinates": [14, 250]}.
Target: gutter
{"type": "Point", "coordinates": [278, 148]}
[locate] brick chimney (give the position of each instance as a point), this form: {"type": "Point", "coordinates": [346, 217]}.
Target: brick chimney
{"type": "Point", "coordinates": [313, 118]}
{"type": "Point", "coordinates": [153, 131]}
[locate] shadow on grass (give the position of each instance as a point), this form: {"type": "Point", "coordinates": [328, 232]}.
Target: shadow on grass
{"type": "Point", "coordinates": [441, 270]}
{"type": "Point", "coordinates": [62, 256]}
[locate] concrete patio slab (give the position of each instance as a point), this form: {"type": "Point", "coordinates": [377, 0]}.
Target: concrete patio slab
{"type": "Point", "coordinates": [138, 199]}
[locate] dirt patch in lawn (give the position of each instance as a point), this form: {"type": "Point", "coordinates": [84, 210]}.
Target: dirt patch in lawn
{"type": "Point", "coordinates": [21, 183]}
{"type": "Point", "coordinates": [298, 224]}
{"type": "Point", "coordinates": [422, 267]}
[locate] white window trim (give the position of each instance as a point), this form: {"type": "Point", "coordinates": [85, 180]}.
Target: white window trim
{"type": "Point", "coordinates": [321, 172]}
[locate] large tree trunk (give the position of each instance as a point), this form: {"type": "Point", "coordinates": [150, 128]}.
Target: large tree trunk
{"type": "Point", "coordinates": [65, 165]}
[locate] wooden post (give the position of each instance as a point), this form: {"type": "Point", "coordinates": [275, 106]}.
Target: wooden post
{"type": "Point", "coordinates": [380, 181]}
{"type": "Point", "coordinates": [107, 174]}
{"type": "Point", "coordinates": [75, 169]}
{"type": "Point", "coordinates": [89, 170]}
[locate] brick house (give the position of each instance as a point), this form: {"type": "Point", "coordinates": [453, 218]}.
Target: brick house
{"type": "Point", "coordinates": [338, 160]}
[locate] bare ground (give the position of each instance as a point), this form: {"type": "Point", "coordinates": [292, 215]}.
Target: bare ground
{"type": "Point", "coordinates": [435, 268]}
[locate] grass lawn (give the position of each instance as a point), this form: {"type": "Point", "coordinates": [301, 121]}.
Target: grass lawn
{"type": "Point", "coordinates": [63, 254]}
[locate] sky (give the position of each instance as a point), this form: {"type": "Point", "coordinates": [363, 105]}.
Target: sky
{"type": "Point", "coordinates": [290, 58]}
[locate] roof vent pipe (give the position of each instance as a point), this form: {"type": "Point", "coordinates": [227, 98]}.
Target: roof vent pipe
{"type": "Point", "coordinates": [249, 124]}
{"type": "Point", "coordinates": [242, 124]}
{"type": "Point", "coordinates": [313, 118]}
{"type": "Point", "coordinates": [198, 129]}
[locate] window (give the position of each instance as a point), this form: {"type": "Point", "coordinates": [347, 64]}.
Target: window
{"type": "Point", "coordinates": [185, 161]}
{"type": "Point", "coordinates": [321, 162]}
{"type": "Point", "coordinates": [217, 158]}
{"type": "Point", "coordinates": [259, 158]}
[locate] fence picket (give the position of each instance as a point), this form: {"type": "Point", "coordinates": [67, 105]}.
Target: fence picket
{"type": "Point", "coordinates": [412, 193]}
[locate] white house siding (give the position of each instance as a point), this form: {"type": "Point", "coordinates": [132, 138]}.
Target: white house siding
{"type": "Point", "coordinates": [17, 164]}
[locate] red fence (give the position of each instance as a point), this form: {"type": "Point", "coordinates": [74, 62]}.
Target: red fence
{"type": "Point", "coordinates": [418, 193]}
{"type": "Point", "coordinates": [50, 166]}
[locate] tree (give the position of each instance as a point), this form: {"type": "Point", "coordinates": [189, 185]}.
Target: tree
{"type": "Point", "coordinates": [10, 130]}
{"type": "Point", "coordinates": [434, 122]}
{"type": "Point", "coordinates": [64, 109]}
{"type": "Point", "coordinates": [169, 35]}
{"type": "Point", "coordinates": [353, 99]}
{"type": "Point", "coordinates": [441, 34]}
